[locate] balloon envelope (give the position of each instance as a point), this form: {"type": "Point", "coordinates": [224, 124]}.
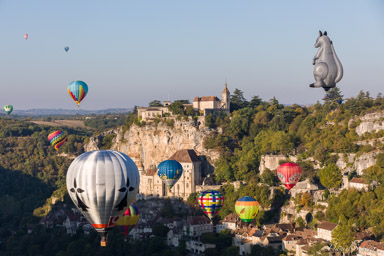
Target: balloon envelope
{"type": "Point", "coordinates": [102, 184]}
{"type": "Point", "coordinates": [128, 220]}
{"type": "Point", "coordinates": [169, 172]}
{"type": "Point", "coordinates": [77, 90]}
{"type": "Point", "coordinates": [26, 36]}
{"type": "Point", "coordinates": [289, 174]}
{"type": "Point", "coordinates": [66, 48]}
{"type": "Point", "coordinates": [8, 109]}
{"type": "Point", "coordinates": [210, 202]}
{"type": "Point", "coordinates": [247, 208]}
{"type": "Point", "coordinates": [57, 139]}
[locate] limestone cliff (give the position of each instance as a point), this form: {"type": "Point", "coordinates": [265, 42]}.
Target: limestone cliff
{"type": "Point", "coordinates": [371, 122]}
{"type": "Point", "coordinates": [153, 143]}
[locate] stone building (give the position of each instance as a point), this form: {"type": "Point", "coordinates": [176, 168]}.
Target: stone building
{"type": "Point", "coordinates": [150, 113]}
{"type": "Point", "coordinates": [230, 222]}
{"type": "Point", "coordinates": [210, 104]}
{"type": "Point", "coordinates": [324, 230]}
{"type": "Point", "coordinates": [152, 185]}
{"type": "Point", "coordinates": [191, 175]}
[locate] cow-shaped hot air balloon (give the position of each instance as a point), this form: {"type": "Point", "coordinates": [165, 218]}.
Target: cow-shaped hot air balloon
{"type": "Point", "coordinates": [8, 109]}
{"type": "Point", "coordinates": [247, 208]}
{"type": "Point", "coordinates": [128, 220]}
{"type": "Point", "coordinates": [102, 184]}
{"type": "Point", "coordinates": [57, 139]}
{"type": "Point", "coordinates": [289, 174]}
{"type": "Point", "coordinates": [210, 201]}
{"type": "Point", "coordinates": [169, 172]}
{"type": "Point", "coordinates": [77, 90]}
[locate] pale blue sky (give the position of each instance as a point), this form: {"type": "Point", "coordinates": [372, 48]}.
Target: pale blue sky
{"type": "Point", "coordinates": [131, 52]}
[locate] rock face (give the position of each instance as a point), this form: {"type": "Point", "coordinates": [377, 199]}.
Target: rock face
{"type": "Point", "coordinates": [350, 162]}
{"type": "Point", "coordinates": [372, 122]}
{"type": "Point", "coordinates": [270, 162]}
{"type": "Point", "coordinates": [151, 144]}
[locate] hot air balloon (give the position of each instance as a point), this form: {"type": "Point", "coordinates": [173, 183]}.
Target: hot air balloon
{"type": "Point", "coordinates": [57, 138]}
{"type": "Point", "coordinates": [102, 184]}
{"type": "Point", "coordinates": [77, 90]}
{"type": "Point", "coordinates": [128, 220]}
{"type": "Point", "coordinates": [247, 208]}
{"type": "Point", "coordinates": [169, 172]}
{"type": "Point", "coordinates": [66, 48]}
{"type": "Point", "coordinates": [210, 201]}
{"type": "Point", "coordinates": [26, 36]}
{"type": "Point", "coordinates": [327, 67]}
{"type": "Point", "coordinates": [289, 174]}
{"type": "Point", "coordinates": [8, 109]}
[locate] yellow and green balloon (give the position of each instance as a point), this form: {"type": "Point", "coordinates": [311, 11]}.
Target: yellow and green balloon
{"type": "Point", "coordinates": [247, 208]}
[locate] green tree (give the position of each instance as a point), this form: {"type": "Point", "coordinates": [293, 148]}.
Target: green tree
{"type": "Point", "coordinates": [269, 178]}
{"type": "Point", "coordinates": [176, 108]}
{"type": "Point", "coordinates": [316, 250]}
{"type": "Point", "coordinates": [155, 103]}
{"type": "Point", "coordinates": [330, 176]}
{"type": "Point", "coordinates": [343, 236]}
{"type": "Point", "coordinates": [237, 100]}
{"type": "Point", "coordinates": [300, 222]}
{"type": "Point", "coordinates": [231, 251]}
{"type": "Point", "coordinates": [255, 101]}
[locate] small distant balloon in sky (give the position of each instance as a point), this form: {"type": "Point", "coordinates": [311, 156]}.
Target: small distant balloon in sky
{"type": "Point", "coordinates": [8, 109]}
{"type": "Point", "coordinates": [26, 36]}
{"type": "Point", "coordinates": [66, 48]}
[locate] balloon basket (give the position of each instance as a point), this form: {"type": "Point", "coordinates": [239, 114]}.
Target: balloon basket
{"type": "Point", "coordinates": [103, 241]}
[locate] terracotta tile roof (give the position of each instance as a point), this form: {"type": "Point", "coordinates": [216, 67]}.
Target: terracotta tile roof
{"type": "Point", "coordinates": [357, 180]}
{"type": "Point", "coordinates": [206, 98]}
{"type": "Point", "coordinates": [286, 227]}
{"type": "Point", "coordinates": [302, 242]}
{"type": "Point", "coordinates": [290, 238]}
{"type": "Point", "coordinates": [185, 156]}
{"type": "Point", "coordinates": [327, 225]}
{"type": "Point", "coordinates": [369, 244]}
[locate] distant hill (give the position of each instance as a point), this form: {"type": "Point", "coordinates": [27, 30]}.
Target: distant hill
{"type": "Point", "coordinates": [59, 112]}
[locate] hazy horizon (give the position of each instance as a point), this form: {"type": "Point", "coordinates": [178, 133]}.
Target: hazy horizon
{"type": "Point", "coordinates": [130, 53]}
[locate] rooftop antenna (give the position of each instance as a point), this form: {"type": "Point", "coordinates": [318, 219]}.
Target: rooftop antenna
{"type": "Point", "coordinates": [168, 96]}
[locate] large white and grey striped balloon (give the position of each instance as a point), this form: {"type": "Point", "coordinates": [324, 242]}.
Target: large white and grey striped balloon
{"type": "Point", "coordinates": [102, 184]}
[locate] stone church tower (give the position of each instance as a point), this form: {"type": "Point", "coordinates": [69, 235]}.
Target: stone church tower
{"type": "Point", "coordinates": [225, 101]}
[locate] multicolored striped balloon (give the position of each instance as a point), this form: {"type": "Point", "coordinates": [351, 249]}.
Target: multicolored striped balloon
{"type": "Point", "coordinates": [77, 90]}
{"type": "Point", "coordinates": [128, 220]}
{"type": "Point", "coordinates": [57, 138]}
{"type": "Point", "coordinates": [210, 201]}
{"type": "Point", "coordinates": [169, 172]}
{"type": "Point", "coordinates": [8, 109]}
{"type": "Point", "coordinates": [247, 208]}
{"type": "Point", "coordinates": [289, 174]}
